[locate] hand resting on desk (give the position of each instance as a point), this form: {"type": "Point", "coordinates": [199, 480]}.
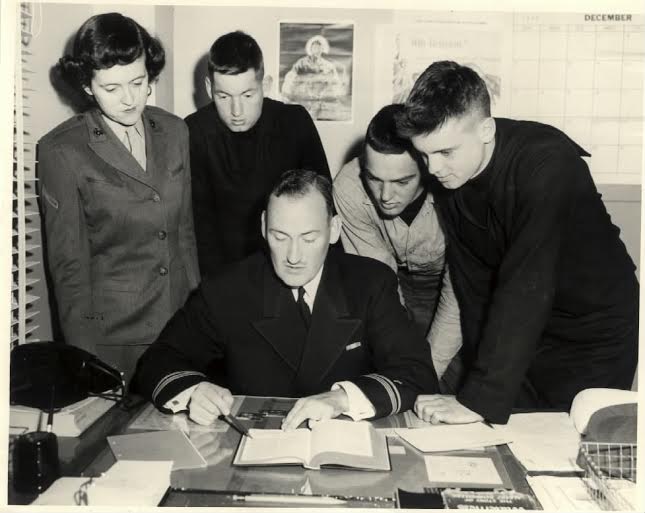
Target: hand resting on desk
{"type": "Point", "coordinates": [438, 408]}
{"type": "Point", "coordinates": [327, 405]}
{"type": "Point", "coordinates": [208, 401]}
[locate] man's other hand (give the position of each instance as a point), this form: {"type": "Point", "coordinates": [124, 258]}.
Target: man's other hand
{"type": "Point", "coordinates": [327, 405]}
{"type": "Point", "coordinates": [437, 409]}
{"type": "Point", "coordinates": [207, 402]}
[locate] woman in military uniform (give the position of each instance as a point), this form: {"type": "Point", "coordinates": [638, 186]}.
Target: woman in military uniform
{"type": "Point", "coordinates": [116, 198]}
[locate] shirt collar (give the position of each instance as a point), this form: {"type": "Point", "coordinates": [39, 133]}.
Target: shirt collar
{"type": "Point", "coordinates": [119, 129]}
{"type": "Point", "coordinates": [311, 287]}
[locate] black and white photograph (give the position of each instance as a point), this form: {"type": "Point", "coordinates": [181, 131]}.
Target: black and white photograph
{"type": "Point", "coordinates": [322, 255]}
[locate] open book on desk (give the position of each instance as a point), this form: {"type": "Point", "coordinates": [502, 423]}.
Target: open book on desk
{"type": "Point", "coordinates": [337, 443]}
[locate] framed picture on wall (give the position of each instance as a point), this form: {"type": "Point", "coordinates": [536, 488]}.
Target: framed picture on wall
{"type": "Point", "coordinates": [316, 67]}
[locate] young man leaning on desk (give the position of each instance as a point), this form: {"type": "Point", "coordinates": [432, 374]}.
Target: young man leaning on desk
{"type": "Point", "coordinates": [301, 321]}
{"type": "Point", "coordinates": [547, 292]}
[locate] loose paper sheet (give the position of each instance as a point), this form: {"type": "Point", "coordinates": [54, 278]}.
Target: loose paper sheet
{"type": "Point", "coordinates": [455, 471]}
{"type": "Point", "coordinates": [543, 442]}
{"type": "Point", "coordinates": [126, 483]}
{"type": "Point", "coordinates": [562, 493]}
{"type": "Point", "coordinates": [452, 437]}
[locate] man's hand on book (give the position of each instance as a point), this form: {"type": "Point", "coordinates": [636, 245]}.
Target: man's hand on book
{"type": "Point", "coordinates": [207, 402]}
{"type": "Point", "coordinates": [437, 409]}
{"type": "Point", "coordinates": [327, 405]}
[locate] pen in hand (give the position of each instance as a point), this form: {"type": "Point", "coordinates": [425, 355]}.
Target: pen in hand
{"type": "Point", "coordinates": [237, 425]}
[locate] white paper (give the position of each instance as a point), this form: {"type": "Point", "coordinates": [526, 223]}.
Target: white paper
{"type": "Point", "coordinates": [126, 483]}
{"type": "Point", "coordinates": [452, 437]}
{"type": "Point", "coordinates": [543, 442]}
{"type": "Point", "coordinates": [462, 470]}
{"type": "Point", "coordinates": [562, 493]}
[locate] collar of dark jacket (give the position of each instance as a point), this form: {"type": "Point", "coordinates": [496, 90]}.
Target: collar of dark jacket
{"type": "Point", "coordinates": [267, 122]}
{"type": "Point", "coordinates": [331, 286]}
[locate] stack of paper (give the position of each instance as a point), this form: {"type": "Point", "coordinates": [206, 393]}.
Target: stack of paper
{"type": "Point", "coordinates": [562, 493]}
{"type": "Point", "coordinates": [543, 442]}
{"type": "Point", "coordinates": [452, 437]}
{"type": "Point", "coordinates": [127, 483]}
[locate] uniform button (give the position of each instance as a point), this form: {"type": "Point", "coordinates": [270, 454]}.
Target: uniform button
{"type": "Point", "coordinates": [161, 234]}
{"type": "Point", "coordinates": [163, 271]}
{"type": "Point", "coordinates": [156, 198]}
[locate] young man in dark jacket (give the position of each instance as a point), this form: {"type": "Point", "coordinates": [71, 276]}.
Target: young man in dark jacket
{"type": "Point", "coordinates": [239, 145]}
{"type": "Point", "coordinates": [547, 292]}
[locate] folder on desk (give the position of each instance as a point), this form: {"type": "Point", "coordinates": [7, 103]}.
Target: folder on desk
{"type": "Point", "coordinates": [337, 443]}
{"type": "Point", "coordinates": [157, 446]}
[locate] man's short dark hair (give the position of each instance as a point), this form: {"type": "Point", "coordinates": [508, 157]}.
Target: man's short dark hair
{"type": "Point", "coordinates": [299, 182]}
{"type": "Point", "coordinates": [383, 136]}
{"type": "Point", "coordinates": [235, 53]}
{"type": "Point", "coordinates": [444, 90]}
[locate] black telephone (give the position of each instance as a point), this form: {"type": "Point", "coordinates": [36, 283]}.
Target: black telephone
{"type": "Point", "coordinates": [74, 372]}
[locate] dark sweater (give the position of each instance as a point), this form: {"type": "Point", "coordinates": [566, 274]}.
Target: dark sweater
{"type": "Point", "coordinates": [232, 174]}
{"type": "Point", "coordinates": [539, 271]}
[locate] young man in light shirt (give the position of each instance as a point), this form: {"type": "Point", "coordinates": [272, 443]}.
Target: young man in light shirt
{"type": "Point", "coordinates": [388, 214]}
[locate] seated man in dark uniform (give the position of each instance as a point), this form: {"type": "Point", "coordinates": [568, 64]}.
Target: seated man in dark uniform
{"type": "Point", "coordinates": [301, 321]}
{"type": "Point", "coordinates": [239, 145]}
{"type": "Point", "coordinates": [547, 292]}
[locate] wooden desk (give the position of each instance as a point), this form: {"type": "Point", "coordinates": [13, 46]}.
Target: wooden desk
{"type": "Point", "coordinates": [215, 484]}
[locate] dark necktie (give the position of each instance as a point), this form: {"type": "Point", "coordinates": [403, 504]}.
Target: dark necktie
{"type": "Point", "coordinates": [304, 308]}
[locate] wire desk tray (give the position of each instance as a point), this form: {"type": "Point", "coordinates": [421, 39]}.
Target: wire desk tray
{"type": "Point", "coordinates": [610, 474]}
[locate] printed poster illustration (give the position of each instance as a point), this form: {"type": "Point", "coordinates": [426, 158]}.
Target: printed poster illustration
{"type": "Point", "coordinates": [415, 48]}
{"type": "Point", "coordinates": [316, 66]}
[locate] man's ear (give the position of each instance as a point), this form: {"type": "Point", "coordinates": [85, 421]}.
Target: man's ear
{"type": "Point", "coordinates": [208, 85]}
{"type": "Point", "coordinates": [336, 225]}
{"type": "Point", "coordinates": [88, 90]}
{"type": "Point", "coordinates": [487, 130]}
{"type": "Point", "coordinates": [263, 225]}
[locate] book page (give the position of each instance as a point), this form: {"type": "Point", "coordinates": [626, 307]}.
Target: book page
{"type": "Point", "coordinates": [277, 446]}
{"type": "Point", "coordinates": [342, 436]}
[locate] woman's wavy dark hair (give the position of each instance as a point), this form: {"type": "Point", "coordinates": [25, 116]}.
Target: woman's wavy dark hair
{"type": "Point", "coordinates": [108, 39]}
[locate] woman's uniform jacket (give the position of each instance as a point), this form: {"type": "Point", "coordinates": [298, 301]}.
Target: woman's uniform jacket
{"type": "Point", "coordinates": [242, 329]}
{"type": "Point", "coordinates": [119, 240]}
